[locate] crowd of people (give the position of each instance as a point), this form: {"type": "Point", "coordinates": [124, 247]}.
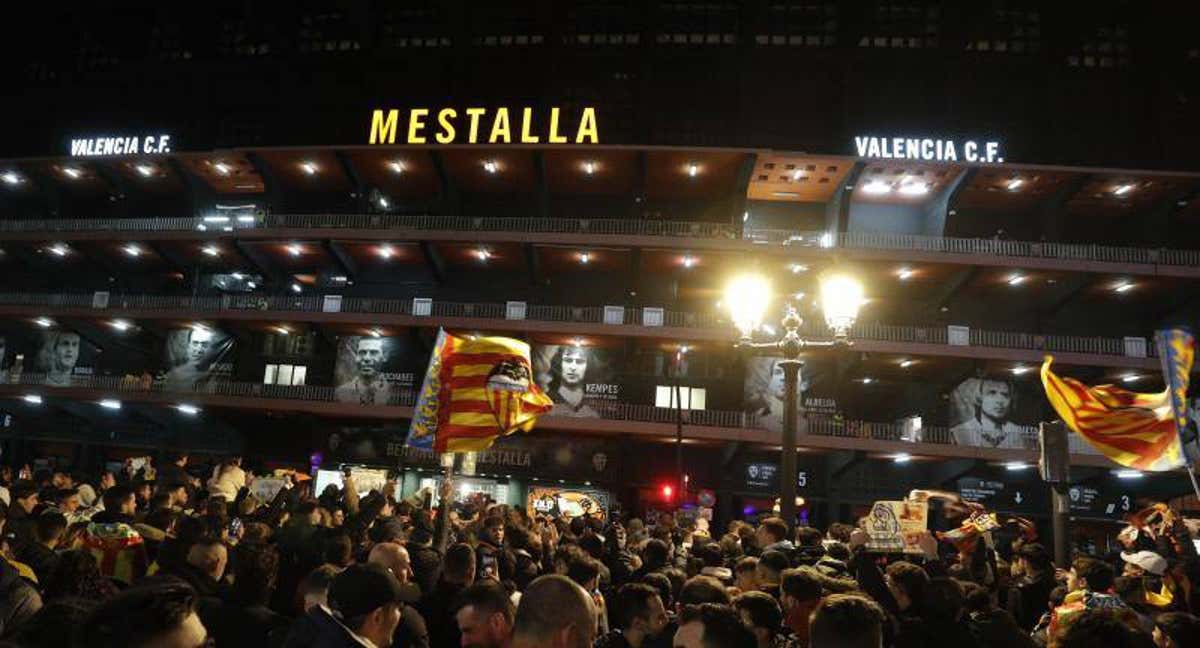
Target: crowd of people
{"type": "Point", "coordinates": [183, 558]}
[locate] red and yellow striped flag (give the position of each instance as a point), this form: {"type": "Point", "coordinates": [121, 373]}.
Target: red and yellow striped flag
{"type": "Point", "coordinates": [485, 390]}
{"type": "Point", "coordinates": [1134, 430]}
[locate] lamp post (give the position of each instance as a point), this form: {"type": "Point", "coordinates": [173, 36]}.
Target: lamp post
{"type": "Point", "coordinates": [747, 298]}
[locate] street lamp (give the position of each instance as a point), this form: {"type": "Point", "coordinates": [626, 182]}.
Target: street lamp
{"type": "Point", "coordinates": [748, 297]}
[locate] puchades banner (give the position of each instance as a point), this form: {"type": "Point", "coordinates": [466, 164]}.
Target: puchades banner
{"type": "Point", "coordinates": [580, 380]}
{"type": "Point", "coordinates": [62, 355]}
{"type": "Point", "coordinates": [373, 370]}
{"type": "Point", "coordinates": [994, 412]}
{"type": "Point", "coordinates": [197, 356]}
{"type": "Point", "coordinates": [764, 390]}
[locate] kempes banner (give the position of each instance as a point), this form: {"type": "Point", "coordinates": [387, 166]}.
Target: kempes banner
{"type": "Point", "coordinates": [373, 370]}
{"type": "Point", "coordinates": [994, 412]}
{"type": "Point", "coordinates": [196, 356]}
{"type": "Point", "coordinates": [580, 380]}
{"type": "Point", "coordinates": [764, 390]}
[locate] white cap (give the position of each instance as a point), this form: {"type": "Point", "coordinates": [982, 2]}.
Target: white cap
{"type": "Point", "coordinates": [1147, 560]}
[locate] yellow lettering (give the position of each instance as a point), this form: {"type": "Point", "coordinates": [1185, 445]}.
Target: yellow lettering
{"type": "Point", "coordinates": [554, 137]}
{"type": "Point", "coordinates": [474, 114]}
{"type": "Point", "coordinates": [416, 122]}
{"type": "Point", "coordinates": [526, 137]}
{"type": "Point", "coordinates": [500, 127]}
{"type": "Point", "coordinates": [383, 129]}
{"type": "Point", "coordinates": [446, 135]}
{"type": "Point", "coordinates": [587, 127]}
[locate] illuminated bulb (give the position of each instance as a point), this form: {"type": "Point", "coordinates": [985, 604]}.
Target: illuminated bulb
{"type": "Point", "coordinates": [693, 169]}
{"type": "Point", "coordinates": [877, 187]}
{"type": "Point", "coordinates": [1014, 466]}
{"type": "Point", "coordinates": [868, 380]}
{"type": "Point", "coordinates": [827, 240]}
{"type": "Point", "coordinates": [296, 288]}
{"type": "Point", "coordinates": [72, 173]}
{"type": "Point", "coordinates": [797, 268]}
{"type": "Point", "coordinates": [216, 219]}
{"type": "Point", "coordinates": [482, 254]}
{"type": "Point", "coordinates": [375, 333]}
{"type": "Point", "coordinates": [190, 410]}
{"type": "Point", "coordinates": [245, 218]}
{"type": "Point", "coordinates": [901, 458]}
{"type": "Point", "coordinates": [905, 364]}
{"type": "Point", "coordinates": [58, 249]}
{"type": "Point", "coordinates": [145, 169]}
{"type": "Point", "coordinates": [1123, 189]}
{"type": "Point", "coordinates": [745, 216]}
{"type": "Point", "coordinates": [383, 202]}
{"type": "Point", "coordinates": [237, 275]}
{"type": "Point", "coordinates": [1124, 286]}
{"type": "Point", "coordinates": [689, 261]}
{"type": "Point", "coordinates": [294, 249]}
{"type": "Point", "coordinates": [251, 285]}
{"type": "Point", "coordinates": [11, 177]}
{"type": "Point", "coordinates": [282, 330]}
{"type": "Point", "coordinates": [576, 342]}
{"type": "Point", "coordinates": [133, 250]}
{"type": "Point", "coordinates": [1020, 369]}
{"type": "Point", "coordinates": [111, 404]}
{"type": "Point", "coordinates": [797, 174]}
{"type": "Point", "coordinates": [44, 322]}
{"type": "Point", "coordinates": [584, 257]}
{"type": "Point", "coordinates": [120, 325]}
{"type": "Point", "coordinates": [1016, 279]}
{"type": "Point", "coordinates": [386, 251]}
{"type": "Point", "coordinates": [914, 188]}
{"type": "Point", "coordinates": [309, 167]}
{"type": "Point", "coordinates": [589, 167]}
{"type": "Point", "coordinates": [1130, 378]}
{"type": "Point", "coordinates": [1015, 184]}
{"type": "Point", "coordinates": [32, 399]}
{"type": "Point", "coordinates": [211, 250]}
{"type": "Point", "coordinates": [490, 166]}
{"type": "Point", "coordinates": [904, 273]}
{"type": "Point", "coordinates": [222, 168]}
{"type": "Point", "coordinates": [396, 166]}
{"type": "Point", "coordinates": [1129, 474]}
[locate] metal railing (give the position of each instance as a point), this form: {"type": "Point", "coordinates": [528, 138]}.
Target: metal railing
{"type": "Point", "coordinates": [630, 316]}
{"type": "Point", "coordinates": [816, 424]}
{"type": "Point", "coordinates": [624, 227]}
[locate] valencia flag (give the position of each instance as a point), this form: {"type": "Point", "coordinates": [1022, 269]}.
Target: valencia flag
{"type": "Point", "coordinates": [476, 389]}
{"type": "Point", "coordinates": [1133, 429]}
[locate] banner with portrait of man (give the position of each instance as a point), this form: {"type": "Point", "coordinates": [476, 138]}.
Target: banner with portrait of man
{"type": "Point", "coordinates": [197, 356]}
{"type": "Point", "coordinates": [373, 370]}
{"type": "Point", "coordinates": [764, 391]}
{"type": "Point", "coordinates": [63, 354]}
{"type": "Point", "coordinates": [579, 379]}
{"type": "Point", "coordinates": [991, 412]}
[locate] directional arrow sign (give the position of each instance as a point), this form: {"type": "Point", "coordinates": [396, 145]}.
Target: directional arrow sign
{"type": "Point", "coordinates": [1017, 497]}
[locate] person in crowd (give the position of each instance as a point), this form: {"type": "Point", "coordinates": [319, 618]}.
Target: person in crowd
{"type": "Point", "coordinates": [1089, 587]}
{"type": "Point", "coordinates": [555, 612]}
{"type": "Point", "coordinates": [485, 616]}
{"type": "Point", "coordinates": [769, 571]}
{"type": "Point", "coordinates": [762, 616]}
{"type": "Point", "coordinates": [800, 593]}
{"type": "Point", "coordinates": [458, 573]}
{"type": "Point", "coordinates": [847, 621]}
{"type": "Point", "coordinates": [990, 626]}
{"type": "Point", "coordinates": [1176, 630]}
{"type": "Point", "coordinates": [364, 608]}
{"type": "Point", "coordinates": [772, 535]}
{"type": "Point", "coordinates": [21, 522]}
{"type": "Point", "coordinates": [412, 630]}
{"type": "Point", "coordinates": [227, 478]}
{"type": "Point", "coordinates": [745, 574]}
{"type": "Point", "coordinates": [18, 599]}
{"type": "Point", "coordinates": [1034, 578]}
{"type": "Point", "coordinates": [637, 614]}
{"type": "Point", "coordinates": [710, 625]}
{"type": "Point", "coordinates": [157, 613]}
{"type": "Point", "coordinates": [40, 554]}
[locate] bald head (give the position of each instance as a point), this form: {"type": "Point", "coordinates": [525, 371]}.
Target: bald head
{"type": "Point", "coordinates": [210, 557]}
{"type": "Point", "coordinates": [555, 613]}
{"type": "Point", "coordinates": [392, 557]}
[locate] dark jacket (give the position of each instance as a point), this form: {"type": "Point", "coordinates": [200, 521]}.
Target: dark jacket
{"type": "Point", "coordinates": [1029, 599]}
{"type": "Point", "coordinates": [997, 629]}
{"type": "Point", "coordinates": [499, 559]}
{"type": "Point", "coordinates": [318, 629]}
{"type": "Point", "coordinates": [18, 599]}
{"type": "Point", "coordinates": [437, 608]}
{"type": "Point", "coordinates": [614, 639]}
{"type": "Point", "coordinates": [426, 565]}
{"type": "Point", "coordinates": [251, 626]}
{"type": "Point", "coordinates": [40, 558]}
{"type": "Point", "coordinates": [20, 526]}
{"type": "Point", "coordinates": [411, 632]}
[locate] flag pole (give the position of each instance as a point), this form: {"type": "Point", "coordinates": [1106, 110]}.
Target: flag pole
{"type": "Point", "coordinates": [1195, 486]}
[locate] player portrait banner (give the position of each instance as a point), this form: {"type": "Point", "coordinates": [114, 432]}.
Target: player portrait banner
{"type": "Point", "coordinates": [197, 356]}
{"type": "Point", "coordinates": [63, 354]}
{"type": "Point", "coordinates": [991, 412]}
{"type": "Point", "coordinates": [372, 370]}
{"type": "Point", "coordinates": [764, 391]}
{"type": "Point", "coordinates": [579, 379]}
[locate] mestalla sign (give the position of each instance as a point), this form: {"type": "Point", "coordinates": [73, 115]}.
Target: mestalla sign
{"type": "Point", "coordinates": [927, 149]}
{"type": "Point", "coordinates": [525, 125]}
{"type": "Point", "coordinates": [120, 145]}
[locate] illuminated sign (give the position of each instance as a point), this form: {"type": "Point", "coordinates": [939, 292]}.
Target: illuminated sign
{"type": "Point", "coordinates": [123, 145]}
{"type": "Point", "coordinates": [482, 126]}
{"type": "Point", "coordinates": [926, 149]}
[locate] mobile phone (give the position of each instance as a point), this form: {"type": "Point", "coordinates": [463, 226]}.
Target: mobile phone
{"type": "Point", "coordinates": [235, 527]}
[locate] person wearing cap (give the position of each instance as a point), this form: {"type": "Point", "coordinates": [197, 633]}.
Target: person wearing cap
{"type": "Point", "coordinates": [1150, 570]}
{"type": "Point", "coordinates": [363, 612]}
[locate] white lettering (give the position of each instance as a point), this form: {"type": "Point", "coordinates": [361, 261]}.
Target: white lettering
{"type": "Point", "coordinates": [950, 155]}
{"type": "Point", "coordinates": [861, 143]}
{"type": "Point", "coordinates": [78, 147]}
{"type": "Point", "coordinates": [971, 151]}
{"type": "Point", "coordinates": [122, 145]}
{"type": "Point", "coordinates": [874, 151]}
{"type": "Point", "coordinates": [993, 150]}
{"type": "Point", "coordinates": [927, 149]}
{"type": "Point", "coordinates": [912, 149]}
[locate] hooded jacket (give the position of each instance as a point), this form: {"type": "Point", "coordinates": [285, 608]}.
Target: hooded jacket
{"type": "Point", "coordinates": [18, 599]}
